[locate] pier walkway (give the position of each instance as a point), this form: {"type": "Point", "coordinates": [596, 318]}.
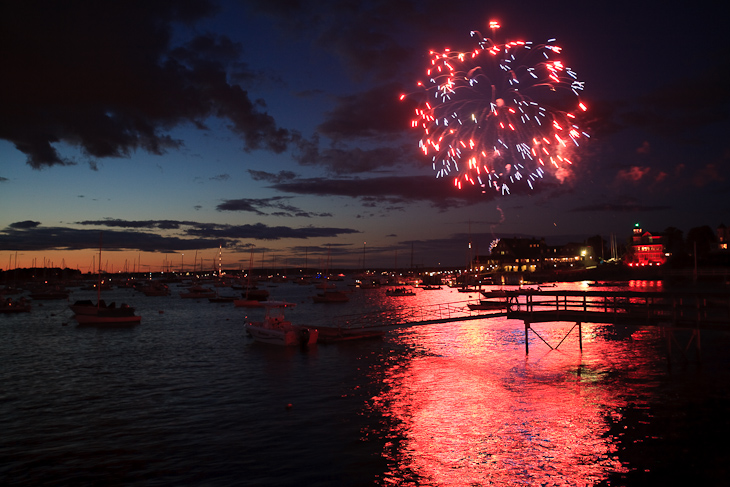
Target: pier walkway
{"type": "Point", "coordinates": [405, 316]}
{"type": "Point", "coordinates": [692, 311]}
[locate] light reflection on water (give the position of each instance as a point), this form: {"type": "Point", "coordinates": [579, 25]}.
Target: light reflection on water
{"type": "Point", "coordinates": [187, 399]}
{"type": "Point", "coordinates": [470, 408]}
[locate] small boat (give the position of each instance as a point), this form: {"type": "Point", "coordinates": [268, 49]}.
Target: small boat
{"type": "Point", "coordinates": [155, 288]}
{"type": "Point", "coordinates": [88, 313]}
{"type": "Point", "coordinates": [485, 304]}
{"type": "Point", "coordinates": [248, 303]}
{"type": "Point", "coordinates": [87, 307]}
{"type": "Point", "coordinates": [399, 291]}
{"type": "Point", "coordinates": [331, 297]}
{"type": "Point", "coordinates": [276, 329]}
{"type": "Point", "coordinates": [198, 292]}
{"type": "Point", "coordinates": [110, 316]}
{"type": "Point", "coordinates": [431, 288]}
{"type": "Point", "coordinates": [222, 299]}
{"type": "Point", "coordinates": [19, 306]}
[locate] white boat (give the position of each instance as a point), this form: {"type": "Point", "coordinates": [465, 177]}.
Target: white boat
{"type": "Point", "coordinates": [276, 329]}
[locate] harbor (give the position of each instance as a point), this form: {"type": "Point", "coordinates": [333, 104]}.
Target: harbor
{"type": "Point", "coordinates": [445, 396]}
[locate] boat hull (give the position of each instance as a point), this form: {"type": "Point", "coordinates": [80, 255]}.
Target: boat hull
{"type": "Point", "coordinates": [283, 336]}
{"type": "Point", "coordinates": [15, 308]}
{"type": "Point", "coordinates": [247, 303]}
{"type": "Point", "coordinates": [108, 320]}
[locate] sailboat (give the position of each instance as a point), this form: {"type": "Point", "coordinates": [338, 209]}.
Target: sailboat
{"type": "Point", "coordinates": [88, 313]}
{"type": "Point", "coordinates": [252, 297]}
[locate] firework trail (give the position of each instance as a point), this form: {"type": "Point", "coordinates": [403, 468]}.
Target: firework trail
{"type": "Point", "coordinates": [499, 115]}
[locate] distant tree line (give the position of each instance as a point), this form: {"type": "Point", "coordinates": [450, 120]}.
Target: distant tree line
{"type": "Point", "coordinates": [700, 242]}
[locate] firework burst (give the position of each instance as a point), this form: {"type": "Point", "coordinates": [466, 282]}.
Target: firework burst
{"type": "Point", "coordinates": [499, 115]}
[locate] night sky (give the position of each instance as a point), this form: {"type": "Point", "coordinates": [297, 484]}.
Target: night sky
{"type": "Point", "coordinates": [180, 126]}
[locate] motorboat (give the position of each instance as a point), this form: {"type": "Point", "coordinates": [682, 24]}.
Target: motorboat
{"type": "Point", "coordinates": [399, 291]}
{"type": "Point", "coordinates": [485, 304]}
{"type": "Point", "coordinates": [277, 330]}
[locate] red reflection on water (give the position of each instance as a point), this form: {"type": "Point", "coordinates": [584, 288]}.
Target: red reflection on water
{"type": "Point", "coordinates": [468, 407]}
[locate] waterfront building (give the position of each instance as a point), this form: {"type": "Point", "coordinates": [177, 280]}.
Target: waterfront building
{"type": "Point", "coordinates": [646, 249]}
{"type": "Point", "coordinates": [527, 255]}
{"type": "Point", "coordinates": [723, 237]}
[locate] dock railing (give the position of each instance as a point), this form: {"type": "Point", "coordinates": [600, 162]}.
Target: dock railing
{"type": "Point", "coordinates": [675, 308]}
{"type": "Point", "coordinates": [402, 316]}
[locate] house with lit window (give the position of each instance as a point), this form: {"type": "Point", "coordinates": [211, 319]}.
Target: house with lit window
{"type": "Point", "coordinates": [723, 238]}
{"type": "Point", "coordinates": [533, 255]}
{"type": "Point", "coordinates": [518, 254]}
{"type": "Point", "coordinates": [646, 249]}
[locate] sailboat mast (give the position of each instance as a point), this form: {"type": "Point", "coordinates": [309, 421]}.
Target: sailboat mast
{"type": "Point", "coordinates": [98, 285]}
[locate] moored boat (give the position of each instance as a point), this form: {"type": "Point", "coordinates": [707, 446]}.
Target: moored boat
{"type": "Point", "coordinates": [88, 313]}
{"type": "Point", "coordinates": [485, 304]}
{"type": "Point", "coordinates": [198, 292]}
{"type": "Point", "coordinates": [399, 291]}
{"type": "Point", "coordinates": [277, 330]}
{"type": "Point", "coordinates": [10, 306]}
{"type": "Point", "coordinates": [121, 316]}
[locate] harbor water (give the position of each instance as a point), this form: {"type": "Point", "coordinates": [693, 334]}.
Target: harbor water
{"type": "Point", "coordinates": [187, 398]}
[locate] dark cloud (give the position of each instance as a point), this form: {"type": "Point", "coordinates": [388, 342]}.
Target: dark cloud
{"type": "Point", "coordinates": [274, 178]}
{"type": "Point", "coordinates": [265, 232]}
{"type": "Point", "coordinates": [221, 177]}
{"type": "Point", "coordinates": [390, 190]}
{"type": "Point", "coordinates": [394, 191]}
{"type": "Point", "coordinates": [2, 179]}
{"type": "Point", "coordinates": [346, 160]}
{"type": "Point", "coordinates": [104, 77]}
{"type": "Point", "coordinates": [193, 235]}
{"type": "Point", "coordinates": [24, 224]}
{"type": "Point", "coordinates": [60, 238]}
{"type": "Point", "coordinates": [367, 37]}
{"type": "Point", "coordinates": [620, 208]}
{"type": "Point", "coordinates": [151, 224]}
{"type": "Point", "coordinates": [373, 113]}
{"type": "Point", "coordinates": [276, 203]}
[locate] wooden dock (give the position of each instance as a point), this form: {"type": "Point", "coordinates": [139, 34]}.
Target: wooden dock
{"type": "Point", "coordinates": [694, 311]}
{"type": "Point", "coordinates": [405, 316]}
{"type": "Point", "coordinates": [671, 310]}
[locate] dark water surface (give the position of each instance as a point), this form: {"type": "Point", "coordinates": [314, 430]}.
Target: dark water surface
{"type": "Point", "coordinates": [186, 398]}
